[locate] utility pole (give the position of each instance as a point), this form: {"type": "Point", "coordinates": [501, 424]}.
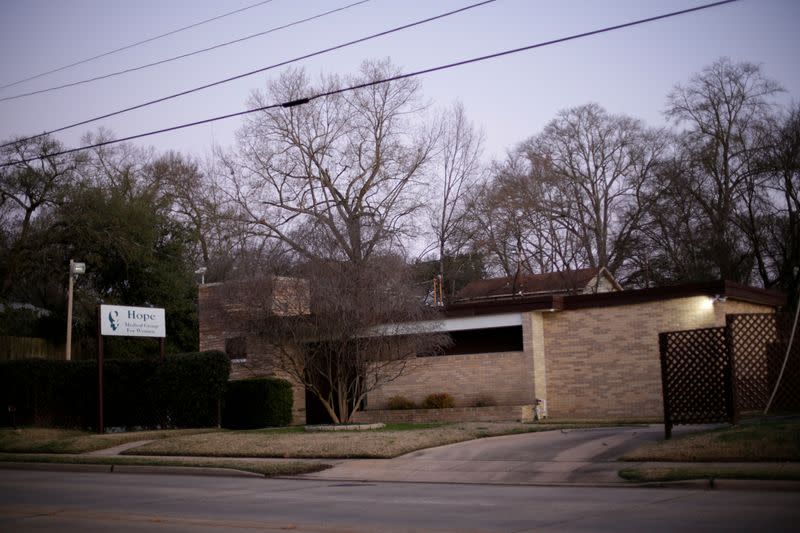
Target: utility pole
{"type": "Point", "coordinates": [74, 270]}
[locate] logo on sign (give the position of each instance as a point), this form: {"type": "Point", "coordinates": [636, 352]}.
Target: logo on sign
{"type": "Point", "coordinates": [113, 320]}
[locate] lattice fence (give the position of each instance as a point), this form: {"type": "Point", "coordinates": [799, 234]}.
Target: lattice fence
{"type": "Point", "coordinates": [697, 377]}
{"type": "Point", "coordinates": [752, 337]}
{"type": "Point", "coordinates": [711, 375]}
{"type": "Point", "coordinates": [759, 347]}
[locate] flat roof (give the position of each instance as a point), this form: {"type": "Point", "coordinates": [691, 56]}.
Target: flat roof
{"type": "Point", "coordinates": [726, 289]}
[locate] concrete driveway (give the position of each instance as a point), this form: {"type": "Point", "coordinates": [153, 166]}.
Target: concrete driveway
{"type": "Point", "coordinates": [576, 456]}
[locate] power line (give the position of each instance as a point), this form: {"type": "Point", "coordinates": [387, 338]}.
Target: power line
{"type": "Point", "coordinates": [308, 99]}
{"type": "Point", "coordinates": [251, 73]}
{"type": "Point", "coordinates": [138, 43]}
{"type": "Point", "coordinates": [181, 56]}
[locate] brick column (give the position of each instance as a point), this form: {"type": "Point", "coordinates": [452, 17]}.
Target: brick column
{"type": "Point", "coordinates": [536, 338]}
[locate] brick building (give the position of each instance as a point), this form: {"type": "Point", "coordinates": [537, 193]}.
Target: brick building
{"type": "Point", "coordinates": [577, 342]}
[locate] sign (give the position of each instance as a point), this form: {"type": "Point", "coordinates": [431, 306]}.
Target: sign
{"type": "Point", "coordinates": [125, 321]}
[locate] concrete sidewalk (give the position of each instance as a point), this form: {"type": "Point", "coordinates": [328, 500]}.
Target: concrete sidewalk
{"type": "Point", "coordinates": [582, 456]}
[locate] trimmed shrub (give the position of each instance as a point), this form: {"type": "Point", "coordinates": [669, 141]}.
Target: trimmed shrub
{"type": "Point", "coordinates": [439, 400]}
{"type": "Point", "coordinates": [191, 386]}
{"type": "Point", "coordinates": [484, 400]}
{"type": "Point", "coordinates": [130, 393]}
{"type": "Point", "coordinates": [184, 391]}
{"type": "Point", "coordinates": [257, 403]}
{"type": "Point", "coordinates": [400, 403]}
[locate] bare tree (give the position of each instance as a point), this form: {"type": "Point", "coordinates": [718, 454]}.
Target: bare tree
{"type": "Point", "coordinates": [722, 109]}
{"type": "Point", "coordinates": [357, 334]}
{"type": "Point", "coordinates": [572, 196]}
{"type": "Point", "coordinates": [345, 167]}
{"type": "Point", "coordinates": [602, 164]}
{"type": "Point", "coordinates": [222, 243]}
{"type": "Point", "coordinates": [456, 171]}
{"type": "Point", "coordinates": [337, 180]}
{"type": "Point", "coordinates": [772, 220]}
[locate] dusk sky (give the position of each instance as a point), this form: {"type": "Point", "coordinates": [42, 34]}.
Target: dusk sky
{"type": "Point", "coordinates": [628, 71]}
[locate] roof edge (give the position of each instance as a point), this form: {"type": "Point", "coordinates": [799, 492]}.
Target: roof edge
{"type": "Point", "coordinates": [727, 289]}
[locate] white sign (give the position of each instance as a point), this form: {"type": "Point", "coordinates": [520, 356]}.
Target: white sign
{"type": "Point", "coordinates": [125, 321]}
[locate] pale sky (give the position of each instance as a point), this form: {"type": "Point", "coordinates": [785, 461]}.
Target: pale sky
{"type": "Point", "coordinates": [629, 71]}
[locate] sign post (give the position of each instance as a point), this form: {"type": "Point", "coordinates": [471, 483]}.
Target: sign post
{"type": "Point", "coordinates": [101, 428]}
{"type": "Point", "coordinates": [125, 321]}
{"type": "Point", "coordinates": [74, 270]}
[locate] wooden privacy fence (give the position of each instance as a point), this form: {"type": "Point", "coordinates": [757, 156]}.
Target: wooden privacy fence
{"type": "Point", "coordinates": [711, 375]}
{"type": "Point", "coordinates": [12, 348]}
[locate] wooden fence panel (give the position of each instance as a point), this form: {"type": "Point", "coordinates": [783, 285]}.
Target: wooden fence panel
{"type": "Point", "coordinates": [751, 338]}
{"type": "Point", "coordinates": [697, 377]}
{"type": "Point", "coordinates": [13, 348]}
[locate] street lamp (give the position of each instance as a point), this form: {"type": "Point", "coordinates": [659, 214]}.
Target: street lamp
{"type": "Point", "coordinates": [75, 269]}
{"type": "Point", "coordinates": [202, 273]}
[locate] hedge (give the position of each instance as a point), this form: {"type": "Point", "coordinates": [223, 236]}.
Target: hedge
{"type": "Point", "coordinates": [183, 391]}
{"type": "Point", "coordinates": [257, 403]}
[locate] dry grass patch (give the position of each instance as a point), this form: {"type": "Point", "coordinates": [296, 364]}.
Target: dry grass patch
{"type": "Point", "coordinates": [266, 468]}
{"type": "Point", "coordinates": [768, 441]}
{"type": "Point", "coordinates": [790, 472]}
{"type": "Point", "coordinates": [383, 443]}
{"type": "Point", "coordinates": [48, 440]}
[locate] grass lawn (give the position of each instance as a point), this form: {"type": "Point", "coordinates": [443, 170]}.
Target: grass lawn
{"type": "Point", "coordinates": [751, 442]}
{"type": "Point", "coordinates": [269, 469]}
{"type": "Point", "coordinates": [786, 472]}
{"type": "Point", "coordinates": [46, 440]}
{"type": "Point", "coordinates": [776, 440]}
{"type": "Point", "coordinates": [391, 441]}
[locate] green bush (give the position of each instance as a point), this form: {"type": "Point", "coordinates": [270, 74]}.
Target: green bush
{"type": "Point", "coordinates": [192, 386]}
{"type": "Point", "coordinates": [257, 403]}
{"type": "Point", "coordinates": [400, 403]}
{"type": "Point", "coordinates": [439, 400]}
{"type": "Point", "coordinates": [130, 392]}
{"type": "Point", "coordinates": [184, 391]}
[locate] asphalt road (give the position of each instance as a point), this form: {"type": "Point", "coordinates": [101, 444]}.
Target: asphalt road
{"type": "Point", "coordinates": [87, 502]}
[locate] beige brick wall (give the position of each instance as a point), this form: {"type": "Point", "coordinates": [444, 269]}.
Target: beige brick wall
{"type": "Point", "coordinates": [222, 317]}
{"type": "Point", "coordinates": [505, 376]}
{"type": "Point", "coordinates": [598, 363]}
{"type": "Point", "coordinates": [604, 362]}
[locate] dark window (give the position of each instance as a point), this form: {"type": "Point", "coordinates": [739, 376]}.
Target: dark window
{"type": "Point", "coordinates": [236, 349]}
{"type": "Point", "coordinates": [490, 340]}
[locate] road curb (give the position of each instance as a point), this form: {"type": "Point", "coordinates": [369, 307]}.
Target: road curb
{"type": "Point", "coordinates": [183, 470]}
{"type": "Point", "coordinates": [55, 467]}
{"type": "Point", "coordinates": [765, 485]}
{"type": "Point", "coordinates": [130, 469]}
{"type": "Point", "coordinates": [691, 484]}
{"type": "Point", "coordinates": [694, 484]}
